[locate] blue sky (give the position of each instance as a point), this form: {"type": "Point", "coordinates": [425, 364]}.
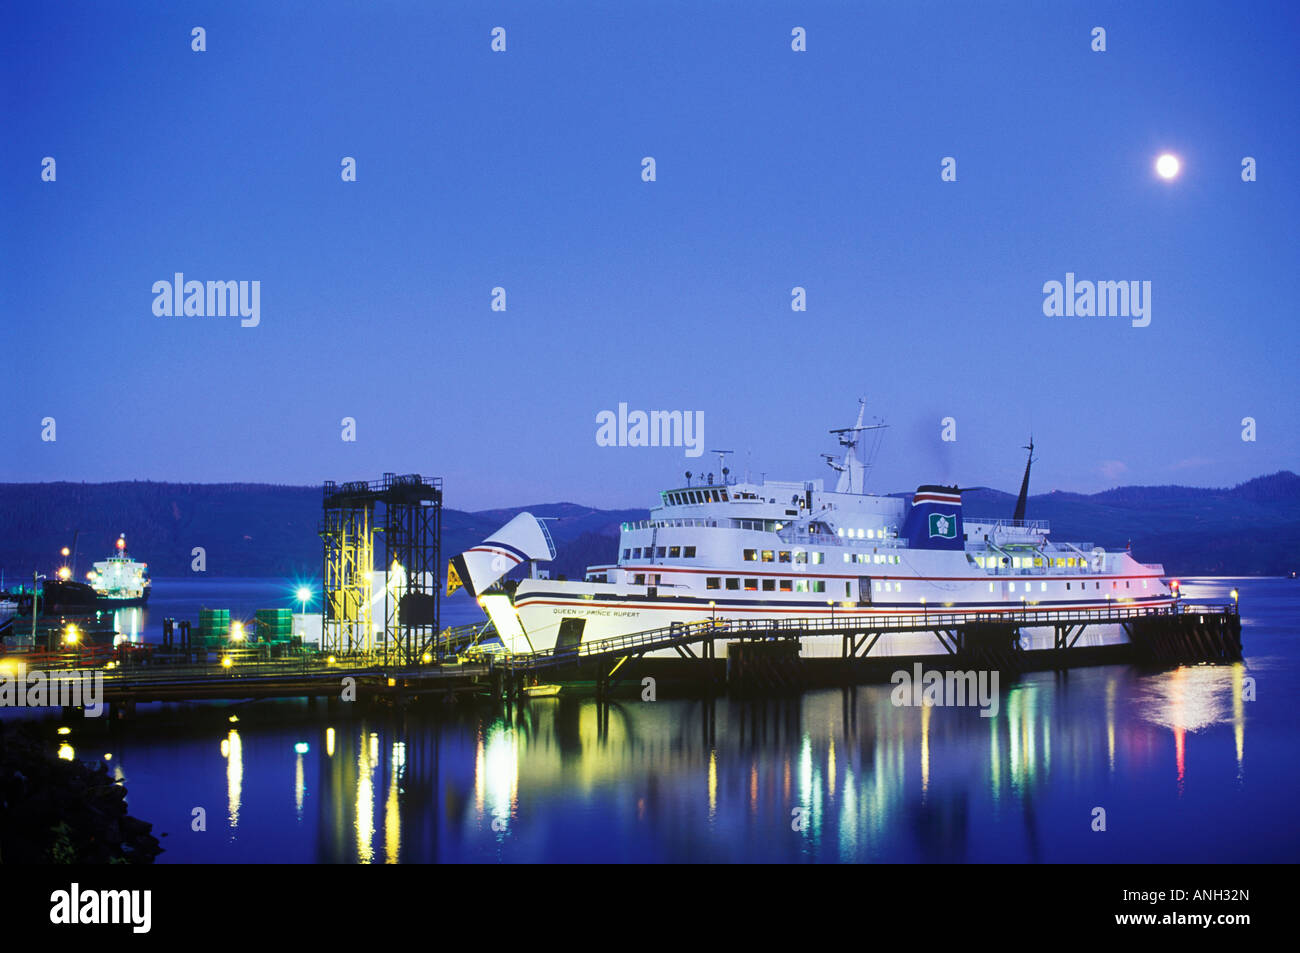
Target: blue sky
{"type": "Point", "coordinates": [522, 169]}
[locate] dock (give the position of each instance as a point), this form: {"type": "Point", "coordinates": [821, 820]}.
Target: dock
{"type": "Point", "coordinates": [760, 657]}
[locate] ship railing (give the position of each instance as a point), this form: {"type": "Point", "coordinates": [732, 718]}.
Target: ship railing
{"type": "Point", "coordinates": [1037, 526]}
{"type": "Point", "coordinates": [680, 633]}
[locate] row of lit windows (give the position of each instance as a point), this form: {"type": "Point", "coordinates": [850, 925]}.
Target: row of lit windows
{"type": "Point", "coordinates": [768, 585]}
{"type": "Point", "coordinates": [881, 533]}
{"type": "Point", "coordinates": [879, 559]}
{"type": "Point", "coordinates": [660, 552]}
{"type": "Point", "coordinates": [782, 556]}
{"type": "Point", "coordinates": [685, 497]}
{"type": "Point", "coordinates": [1042, 586]}
{"type": "Point", "coordinates": [1031, 562]}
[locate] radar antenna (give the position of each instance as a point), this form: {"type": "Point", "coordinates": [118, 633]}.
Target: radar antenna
{"type": "Point", "coordinates": [723, 470]}
{"type": "Point", "coordinates": [853, 471]}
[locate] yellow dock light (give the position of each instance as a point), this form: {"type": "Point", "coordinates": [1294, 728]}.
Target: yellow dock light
{"type": "Point", "coordinates": [426, 658]}
{"type": "Point", "coordinates": [65, 730]}
{"type": "Point", "coordinates": [65, 551]}
{"type": "Point", "coordinates": [226, 662]}
{"type": "Point", "coordinates": [1234, 595]}
{"type": "Point", "coordinates": [392, 683]}
{"type": "Point", "coordinates": [71, 635]}
{"type": "Point", "coordinates": [108, 756]}
{"type": "Point", "coordinates": [330, 660]}
{"type": "Point", "coordinates": [66, 752]}
{"type": "Point", "coordinates": [65, 572]}
{"type": "Point", "coordinates": [236, 631]}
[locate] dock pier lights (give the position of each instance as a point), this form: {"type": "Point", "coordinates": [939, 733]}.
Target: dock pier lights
{"type": "Point", "coordinates": [761, 657]}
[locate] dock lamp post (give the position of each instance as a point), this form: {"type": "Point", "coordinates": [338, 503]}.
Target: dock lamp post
{"type": "Point", "coordinates": [1234, 598]}
{"type": "Point", "coordinates": [925, 612]}
{"type": "Point", "coordinates": [831, 603]}
{"type": "Point", "coordinates": [304, 596]}
{"type": "Point", "coordinates": [713, 613]}
{"type": "Point", "coordinates": [36, 581]}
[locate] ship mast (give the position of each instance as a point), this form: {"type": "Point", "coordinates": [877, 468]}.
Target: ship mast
{"type": "Point", "coordinates": [853, 471]}
{"type": "Point", "coordinates": [1024, 484]}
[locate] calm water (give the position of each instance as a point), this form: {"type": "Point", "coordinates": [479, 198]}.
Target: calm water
{"type": "Point", "coordinates": [1185, 765]}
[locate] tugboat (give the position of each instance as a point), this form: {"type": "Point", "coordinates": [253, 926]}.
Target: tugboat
{"type": "Point", "coordinates": [119, 581]}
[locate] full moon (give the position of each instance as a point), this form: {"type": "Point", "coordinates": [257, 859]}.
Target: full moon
{"type": "Point", "coordinates": [1167, 166]}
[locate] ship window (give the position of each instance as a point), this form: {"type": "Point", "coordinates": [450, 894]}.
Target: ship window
{"type": "Point", "coordinates": [1042, 587]}
{"type": "Point", "coordinates": [818, 557]}
{"type": "Point", "coordinates": [786, 585]}
{"type": "Point", "coordinates": [627, 553]}
{"type": "Point", "coordinates": [801, 557]}
{"type": "Point", "coordinates": [1012, 587]}
{"type": "Point", "coordinates": [659, 551]}
{"type": "Point", "coordinates": [783, 556]}
{"type": "Point", "coordinates": [769, 585]}
{"type": "Point", "coordinates": [1067, 587]}
{"type": "Point", "coordinates": [1127, 584]}
{"type": "Point", "coordinates": [688, 552]}
{"type": "Point", "coordinates": [871, 534]}
{"type": "Point", "coordinates": [768, 556]}
{"type": "Point", "coordinates": [990, 587]}
{"type": "Point", "coordinates": [751, 555]}
{"type": "Point", "coordinates": [674, 552]}
{"type": "Point", "coordinates": [751, 585]}
{"type": "Point", "coordinates": [733, 582]}
{"type": "Point", "coordinates": [819, 585]}
{"type": "Point", "coordinates": [638, 579]}
{"type": "Point", "coordinates": [1144, 583]}
{"type": "Point", "coordinates": [898, 587]}
{"type": "Point", "coordinates": [713, 582]}
{"type": "Point", "coordinates": [1114, 585]}
{"type": "Point", "coordinates": [801, 585]}
{"type": "Point", "coordinates": [1098, 585]}
{"type": "Point", "coordinates": [636, 553]}
{"type": "Point", "coordinates": [847, 557]}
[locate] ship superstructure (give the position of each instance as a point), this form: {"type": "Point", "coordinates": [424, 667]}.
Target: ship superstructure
{"type": "Point", "coordinates": [722, 548]}
{"type": "Point", "coordinates": [119, 580]}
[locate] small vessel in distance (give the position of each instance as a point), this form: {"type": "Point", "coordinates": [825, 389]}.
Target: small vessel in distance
{"type": "Point", "coordinates": [119, 581]}
{"type": "Point", "coordinates": [541, 691]}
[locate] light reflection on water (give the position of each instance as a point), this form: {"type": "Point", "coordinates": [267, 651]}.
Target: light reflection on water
{"type": "Point", "coordinates": [836, 775]}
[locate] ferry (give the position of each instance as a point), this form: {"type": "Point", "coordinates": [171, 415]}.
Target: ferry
{"type": "Point", "coordinates": [119, 581]}
{"type": "Point", "coordinates": [719, 548]}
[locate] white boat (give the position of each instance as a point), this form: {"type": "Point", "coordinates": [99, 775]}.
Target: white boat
{"type": "Point", "coordinates": [724, 549]}
{"type": "Point", "coordinates": [119, 580]}
{"type": "Point", "coordinates": [541, 691]}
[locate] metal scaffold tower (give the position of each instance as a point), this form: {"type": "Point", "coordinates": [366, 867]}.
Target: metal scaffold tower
{"type": "Point", "coordinates": [402, 622]}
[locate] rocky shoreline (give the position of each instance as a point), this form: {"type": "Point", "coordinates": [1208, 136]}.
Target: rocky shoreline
{"type": "Point", "coordinates": [55, 811]}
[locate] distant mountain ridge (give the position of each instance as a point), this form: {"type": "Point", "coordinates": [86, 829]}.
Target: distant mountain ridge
{"type": "Point", "coordinates": [256, 529]}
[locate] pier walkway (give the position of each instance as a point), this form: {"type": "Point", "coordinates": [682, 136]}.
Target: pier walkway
{"type": "Point", "coordinates": [145, 673]}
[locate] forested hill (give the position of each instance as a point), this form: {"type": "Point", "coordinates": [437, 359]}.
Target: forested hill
{"type": "Point", "coordinates": [251, 529]}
